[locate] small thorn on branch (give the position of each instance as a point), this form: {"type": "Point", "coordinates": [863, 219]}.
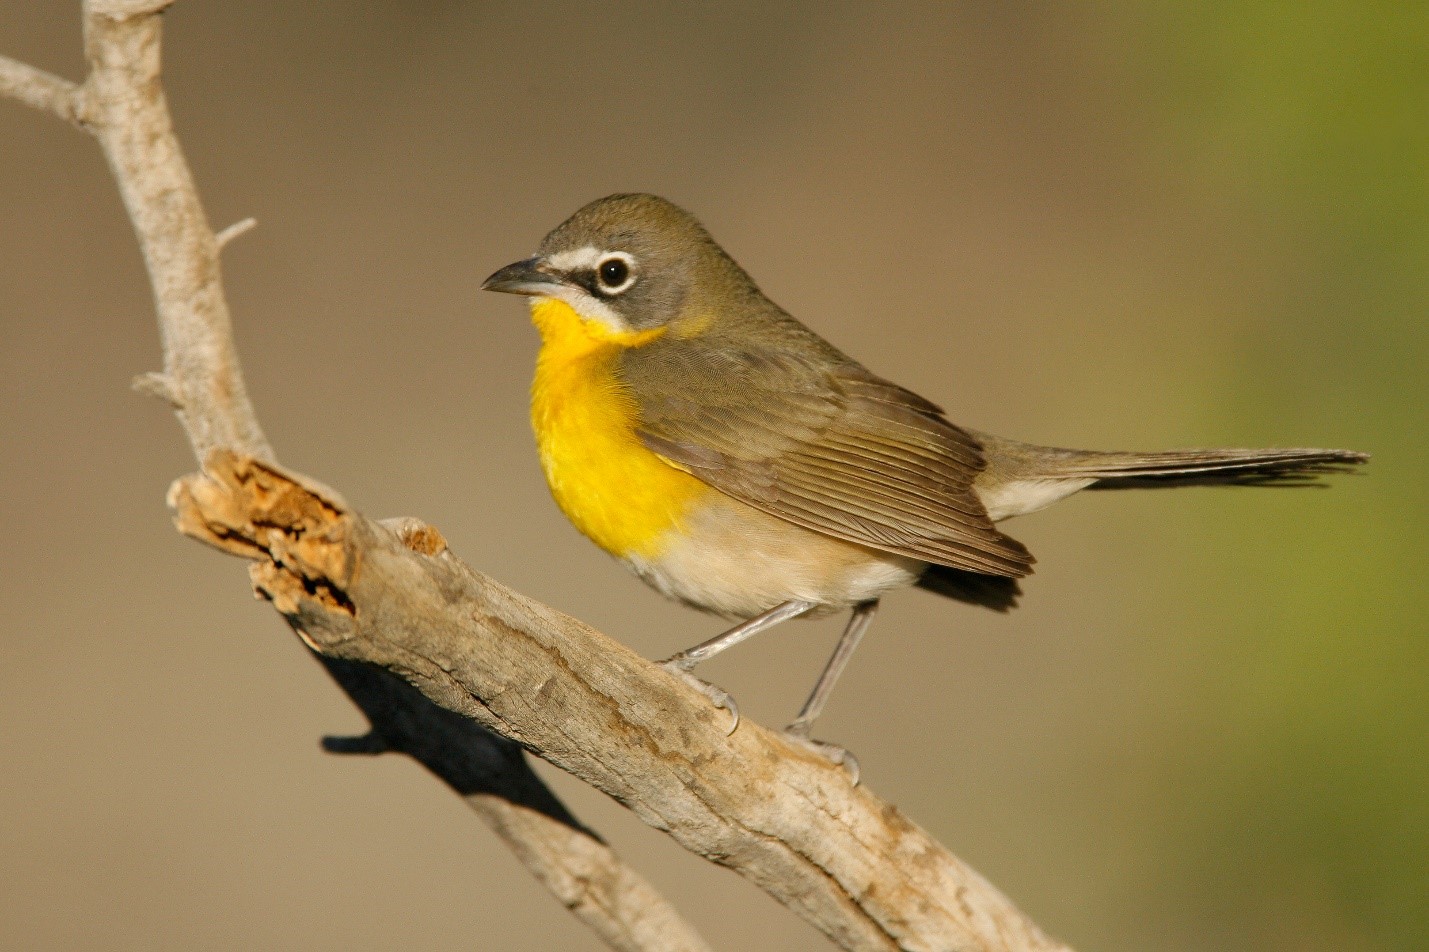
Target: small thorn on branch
{"type": "Point", "coordinates": [156, 384]}
{"type": "Point", "coordinates": [233, 231]}
{"type": "Point", "coordinates": [369, 744]}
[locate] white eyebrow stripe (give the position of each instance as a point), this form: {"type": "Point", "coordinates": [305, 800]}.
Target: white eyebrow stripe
{"type": "Point", "coordinates": [586, 257]}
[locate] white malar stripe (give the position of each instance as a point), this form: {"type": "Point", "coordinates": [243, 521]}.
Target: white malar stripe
{"type": "Point", "coordinates": [588, 307]}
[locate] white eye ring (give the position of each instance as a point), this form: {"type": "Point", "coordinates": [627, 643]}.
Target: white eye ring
{"type": "Point", "coordinates": [615, 272]}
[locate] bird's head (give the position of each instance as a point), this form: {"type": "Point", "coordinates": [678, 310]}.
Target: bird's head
{"type": "Point", "coordinates": [628, 263]}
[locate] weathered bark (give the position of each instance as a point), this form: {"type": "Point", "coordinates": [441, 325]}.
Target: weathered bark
{"type": "Point", "coordinates": [122, 103]}
{"type": "Point", "coordinates": [455, 669]}
{"type": "Point", "coordinates": [784, 818]}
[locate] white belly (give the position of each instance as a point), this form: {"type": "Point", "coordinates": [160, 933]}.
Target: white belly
{"type": "Point", "coordinates": [734, 560]}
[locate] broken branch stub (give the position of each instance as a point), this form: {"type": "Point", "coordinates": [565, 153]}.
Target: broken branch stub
{"type": "Point", "coordinates": [295, 528]}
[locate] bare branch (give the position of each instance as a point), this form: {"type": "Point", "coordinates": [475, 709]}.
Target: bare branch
{"type": "Point", "coordinates": [442, 658]}
{"type": "Point", "coordinates": [123, 104]}
{"type": "Point", "coordinates": [787, 820]}
{"type": "Point", "coordinates": [39, 89]}
{"type": "Point", "coordinates": [493, 777]}
{"type": "Point", "coordinates": [130, 115]}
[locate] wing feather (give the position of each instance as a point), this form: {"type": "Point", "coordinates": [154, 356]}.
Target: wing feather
{"type": "Point", "coordinates": [816, 439]}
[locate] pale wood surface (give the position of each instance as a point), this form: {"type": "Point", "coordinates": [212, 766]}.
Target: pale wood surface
{"type": "Point", "coordinates": [386, 605]}
{"type": "Point", "coordinates": [122, 103]}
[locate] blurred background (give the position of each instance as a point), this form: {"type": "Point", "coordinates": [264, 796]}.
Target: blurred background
{"type": "Point", "coordinates": [1105, 225]}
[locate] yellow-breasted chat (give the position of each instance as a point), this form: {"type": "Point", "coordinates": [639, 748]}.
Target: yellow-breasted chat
{"type": "Point", "coordinates": [741, 464]}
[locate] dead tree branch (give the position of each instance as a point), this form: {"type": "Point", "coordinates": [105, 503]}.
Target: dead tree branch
{"type": "Point", "coordinates": [122, 103]}
{"type": "Point", "coordinates": [39, 89]}
{"type": "Point", "coordinates": [455, 669]}
{"type": "Point", "coordinates": [786, 819]}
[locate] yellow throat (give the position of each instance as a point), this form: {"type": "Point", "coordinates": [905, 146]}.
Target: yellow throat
{"type": "Point", "coordinates": [623, 497]}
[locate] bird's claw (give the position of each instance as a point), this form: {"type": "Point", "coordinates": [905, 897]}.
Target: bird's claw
{"type": "Point", "coordinates": [718, 696]}
{"type": "Point", "coordinates": [839, 756]}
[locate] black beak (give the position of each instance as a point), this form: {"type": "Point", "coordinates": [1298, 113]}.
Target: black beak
{"type": "Point", "coordinates": [523, 277]}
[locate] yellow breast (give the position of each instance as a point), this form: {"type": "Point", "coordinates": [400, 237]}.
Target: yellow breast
{"type": "Point", "coordinates": [622, 496]}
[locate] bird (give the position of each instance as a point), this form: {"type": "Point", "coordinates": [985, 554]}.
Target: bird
{"type": "Point", "coordinates": [741, 464]}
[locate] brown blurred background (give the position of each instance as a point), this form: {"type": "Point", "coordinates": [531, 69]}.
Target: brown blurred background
{"type": "Point", "coordinates": [1106, 225]}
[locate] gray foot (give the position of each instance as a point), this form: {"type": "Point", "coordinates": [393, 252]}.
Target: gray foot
{"type": "Point", "coordinates": [718, 696]}
{"type": "Point", "coordinates": [839, 756]}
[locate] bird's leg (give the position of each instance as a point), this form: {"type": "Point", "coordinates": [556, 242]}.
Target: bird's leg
{"type": "Point", "coordinates": [681, 663]}
{"type": "Point", "coordinates": [858, 623]}
{"type": "Point", "coordinates": [706, 650]}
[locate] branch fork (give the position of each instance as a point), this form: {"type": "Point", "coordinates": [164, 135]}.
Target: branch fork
{"type": "Point", "coordinates": [461, 672]}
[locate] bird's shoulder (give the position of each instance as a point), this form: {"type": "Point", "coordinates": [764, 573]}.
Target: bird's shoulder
{"type": "Point", "coordinates": [779, 375]}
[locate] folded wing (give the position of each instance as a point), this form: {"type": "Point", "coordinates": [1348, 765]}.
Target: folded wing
{"type": "Point", "coordinates": [824, 444]}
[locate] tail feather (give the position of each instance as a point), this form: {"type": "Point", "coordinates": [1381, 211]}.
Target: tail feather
{"type": "Point", "coordinates": [1210, 467]}
{"type": "Point", "coordinates": [1025, 478]}
{"type": "Point", "coordinates": [1022, 477]}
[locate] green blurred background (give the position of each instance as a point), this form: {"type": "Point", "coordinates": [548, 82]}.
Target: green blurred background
{"type": "Point", "coordinates": [1114, 225]}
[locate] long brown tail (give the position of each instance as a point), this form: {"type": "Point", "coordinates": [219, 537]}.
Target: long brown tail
{"type": "Point", "coordinates": [1022, 478]}
{"type": "Point", "coordinates": [1213, 467]}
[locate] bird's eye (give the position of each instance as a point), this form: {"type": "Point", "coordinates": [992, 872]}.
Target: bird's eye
{"type": "Point", "coordinates": [614, 272]}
